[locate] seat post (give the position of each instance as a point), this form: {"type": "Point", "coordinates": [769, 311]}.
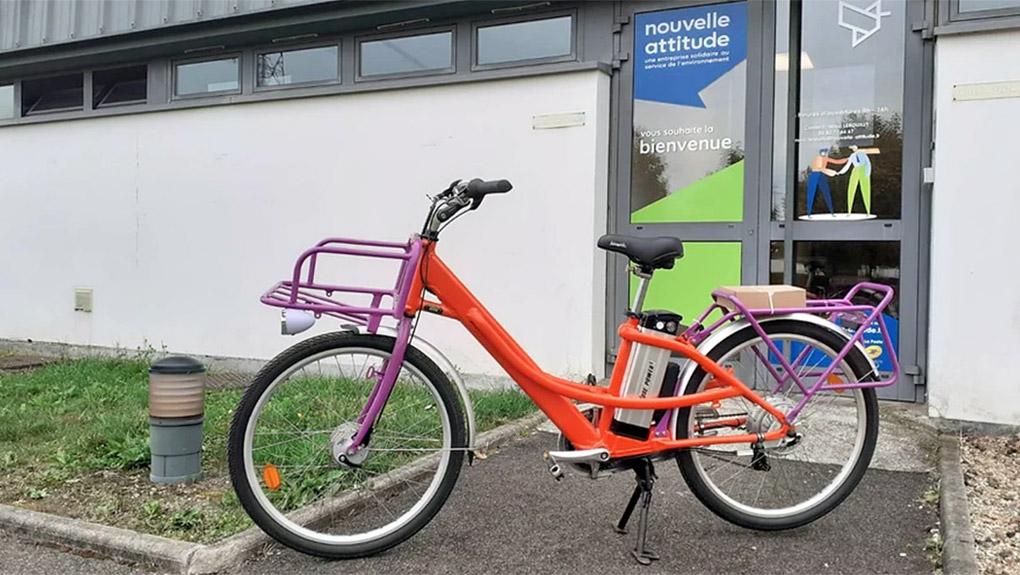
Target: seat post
{"type": "Point", "coordinates": [639, 297]}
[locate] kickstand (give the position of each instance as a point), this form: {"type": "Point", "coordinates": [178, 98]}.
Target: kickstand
{"type": "Point", "coordinates": [645, 476]}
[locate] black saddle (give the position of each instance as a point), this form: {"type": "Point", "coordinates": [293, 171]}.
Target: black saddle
{"type": "Point", "coordinates": [648, 253]}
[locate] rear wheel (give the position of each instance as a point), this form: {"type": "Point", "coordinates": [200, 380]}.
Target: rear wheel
{"type": "Point", "coordinates": [288, 455]}
{"type": "Point", "coordinates": [788, 483]}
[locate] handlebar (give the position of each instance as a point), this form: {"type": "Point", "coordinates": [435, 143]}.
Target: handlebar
{"type": "Point", "coordinates": [477, 188]}
{"type": "Point", "coordinates": [461, 195]}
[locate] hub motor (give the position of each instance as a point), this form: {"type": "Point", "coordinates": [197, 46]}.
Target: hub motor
{"type": "Point", "coordinates": [761, 421]}
{"type": "Point", "coordinates": [341, 440]}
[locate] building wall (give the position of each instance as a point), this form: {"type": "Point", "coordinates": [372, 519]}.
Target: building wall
{"type": "Point", "coordinates": [975, 288]}
{"type": "Point", "coordinates": [180, 220]}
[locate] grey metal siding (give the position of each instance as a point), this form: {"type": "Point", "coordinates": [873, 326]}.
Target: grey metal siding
{"type": "Point", "coordinates": [26, 24]}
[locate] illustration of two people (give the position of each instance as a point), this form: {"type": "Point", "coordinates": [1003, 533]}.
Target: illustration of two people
{"type": "Point", "coordinates": [860, 177]}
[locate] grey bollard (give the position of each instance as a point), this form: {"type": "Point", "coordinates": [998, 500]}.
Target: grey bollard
{"type": "Point", "coordinates": [176, 413]}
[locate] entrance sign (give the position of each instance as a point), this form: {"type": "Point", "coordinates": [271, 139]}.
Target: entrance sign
{"type": "Point", "coordinates": [689, 94]}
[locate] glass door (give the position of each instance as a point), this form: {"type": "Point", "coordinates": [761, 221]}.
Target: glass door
{"type": "Point", "coordinates": [686, 98]}
{"type": "Point", "coordinates": [845, 181]}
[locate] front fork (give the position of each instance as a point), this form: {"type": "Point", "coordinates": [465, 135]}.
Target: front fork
{"type": "Point", "coordinates": [383, 387]}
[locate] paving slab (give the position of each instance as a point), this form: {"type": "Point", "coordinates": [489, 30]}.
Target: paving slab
{"type": "Point", "coordinates": [507, 515]}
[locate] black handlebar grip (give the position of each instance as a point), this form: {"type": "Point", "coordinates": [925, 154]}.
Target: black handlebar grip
{"type": "Point", "coordinates": [477, 188]}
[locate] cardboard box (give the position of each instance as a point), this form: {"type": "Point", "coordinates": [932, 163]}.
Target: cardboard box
{"type": "Point", "coordinates": [764, 297]}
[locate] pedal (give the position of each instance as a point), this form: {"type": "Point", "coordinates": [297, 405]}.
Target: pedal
{"type": "Point", "coordinates": [556, 471]}
{"type": "Point", "coordinates": [760, 458]}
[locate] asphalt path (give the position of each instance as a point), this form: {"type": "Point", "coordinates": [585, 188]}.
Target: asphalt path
{"type": "Point", "coordinates": [508, 515]}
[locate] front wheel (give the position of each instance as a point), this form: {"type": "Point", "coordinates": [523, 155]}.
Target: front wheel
{"type": "Point", "coordinates": [792, 482]}
{"type": "Point", "coordinates": [288, 447]}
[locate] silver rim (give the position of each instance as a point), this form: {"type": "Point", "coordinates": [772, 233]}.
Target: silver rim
{"type": "Point", "coordinates": [817, 421]}
{"type": "Point", "coordinates": [439, 456]}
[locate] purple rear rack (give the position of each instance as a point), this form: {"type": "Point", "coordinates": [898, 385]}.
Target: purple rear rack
{"type": "Point", "coordinates": [304, 292]}
{"type": "Point", "coordinates": [841, 311]}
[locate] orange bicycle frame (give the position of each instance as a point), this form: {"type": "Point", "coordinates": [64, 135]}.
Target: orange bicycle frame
{"type": "Point", "coordinates": [555, 396]}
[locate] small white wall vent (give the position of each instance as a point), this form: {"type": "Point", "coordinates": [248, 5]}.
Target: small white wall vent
{"type": "Point", "coordinates": [83, 299]}
{"type": "Point", "coordinates": [553, 121]}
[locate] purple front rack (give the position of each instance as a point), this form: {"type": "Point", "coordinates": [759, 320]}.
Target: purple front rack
{"type": "Point", "coordinates": [304, 292]}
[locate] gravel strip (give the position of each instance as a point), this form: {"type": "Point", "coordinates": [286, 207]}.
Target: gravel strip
{"type": "Point", "coordinates": [991, 472]}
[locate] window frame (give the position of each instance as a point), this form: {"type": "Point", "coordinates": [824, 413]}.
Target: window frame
{"type": "Point", "coordinates": [360, 39]}
{"type": "Point", "coordinates": [134, 64]}
{"type": "Point", "coordinates": [478, 24]}
{"type": "Point", "coordinates": [951, 21]}
{"type": "Point", "coordinates": [955, 15]}
{"type": "Point", "coordinates": [15, 102]}
{"type": "Point", "coordinates": [176, 62]}
{"type": "Point", "coordinates": [258, 51]}
{"type": "Point", "coordinates": [86, 83]}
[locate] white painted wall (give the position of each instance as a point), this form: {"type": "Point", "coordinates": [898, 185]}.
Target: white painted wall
{"type": "Point", "coordinates": [180, 220]}
{"type": "Point", "coordinates": [975, 288]}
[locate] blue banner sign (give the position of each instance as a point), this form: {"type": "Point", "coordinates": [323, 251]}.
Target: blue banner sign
{"type": "Point", "coordinates": [681, 52]}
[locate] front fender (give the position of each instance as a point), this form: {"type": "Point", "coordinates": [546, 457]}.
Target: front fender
{"type": "Point", "coordinates": [720, 335]}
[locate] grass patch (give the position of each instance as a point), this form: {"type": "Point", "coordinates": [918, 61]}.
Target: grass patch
{"type": "Point", "coordinates": [74, 441]}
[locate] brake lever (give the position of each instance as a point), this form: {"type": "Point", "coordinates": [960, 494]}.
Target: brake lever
{"type": "Point", "coordinates": [449, 191]}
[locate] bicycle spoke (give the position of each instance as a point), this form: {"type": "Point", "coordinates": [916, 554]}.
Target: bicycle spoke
{"type": "Point", "coordinates": [317, 408]}
{"type": "Point", "coordinates": [782, 475]}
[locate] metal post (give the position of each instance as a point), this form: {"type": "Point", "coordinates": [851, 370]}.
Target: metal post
{"type": "Point", "coordinates": [642, 289]}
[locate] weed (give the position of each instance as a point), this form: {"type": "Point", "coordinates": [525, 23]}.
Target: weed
{"type": "Point", "coordinates": [36, 493]}
{"type": "Point", "coordinates": [930, 496]}
{"type": "Point", "coordinates": [185, 519]}
{"type": "Point", "coordinates": [933, 548]}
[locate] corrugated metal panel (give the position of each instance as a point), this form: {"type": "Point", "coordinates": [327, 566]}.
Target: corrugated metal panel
{"type": "Point", "coordinates": [28, 24]}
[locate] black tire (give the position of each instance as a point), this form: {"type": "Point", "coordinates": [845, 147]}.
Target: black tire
{"type": "Point", "coordinates": [862, 369]}
{"type": "Point", "coordinates": [279, 365]}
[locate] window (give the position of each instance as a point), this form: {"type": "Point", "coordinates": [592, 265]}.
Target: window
{"type": "Point", "coordinates": [120, 86]}
{"type": "Point", "coordinates": [55, 94]}
{"type": "Point", "coordinates": [6, 102]}
{"type": "Point", "coordinates": [985, 5]}
{"type": "Point", "coordinates": [422, 54]}
{"type": "Point", "coordinates": [207, 77]}
{"type": "Point", "coordinates": [850, 131]}
{"type": "Point", "coordinates": [976, 15]}
{"type": "Point", "coordinates": [520, 41]}
{"type": "Point", "coordinates": [303, 66]}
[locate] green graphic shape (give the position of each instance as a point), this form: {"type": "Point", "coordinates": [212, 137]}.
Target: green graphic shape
{"type": "Point", "coordinates": [858, 176]}
{"type": "Point", "coordinates": [687, 288]}
{"type": "Point", "coordinates": [718, 197]}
